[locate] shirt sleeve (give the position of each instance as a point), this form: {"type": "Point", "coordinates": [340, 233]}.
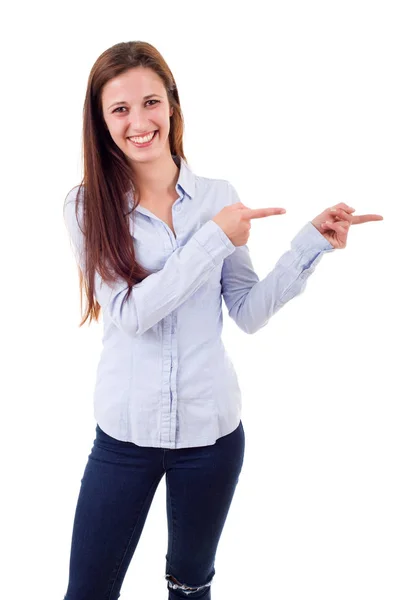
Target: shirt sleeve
{"type": "Point", "coordinates": [186, 269]}
{"type": "Point", "coordinates": [251, 302]}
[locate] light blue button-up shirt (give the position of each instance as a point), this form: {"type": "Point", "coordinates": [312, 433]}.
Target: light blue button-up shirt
{"type": "Point", "coordinates": [164, 378]}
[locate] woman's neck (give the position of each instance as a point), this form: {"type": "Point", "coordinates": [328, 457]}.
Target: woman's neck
{"type": "Point", "coordinates": [155, 181]}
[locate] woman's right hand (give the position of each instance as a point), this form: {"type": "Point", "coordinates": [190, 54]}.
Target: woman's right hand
{"type": "Point", "coordinates": [234, 220]}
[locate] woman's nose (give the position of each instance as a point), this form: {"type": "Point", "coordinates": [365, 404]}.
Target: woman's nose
{"type": "Point", "coordinates": [138, 121]}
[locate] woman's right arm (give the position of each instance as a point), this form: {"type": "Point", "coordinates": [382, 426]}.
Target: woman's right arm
{"type": "Point", "coordinates": [160, 293]}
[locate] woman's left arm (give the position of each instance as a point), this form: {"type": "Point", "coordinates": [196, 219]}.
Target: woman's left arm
{"type": "Point", "coordinates": [251, 302]}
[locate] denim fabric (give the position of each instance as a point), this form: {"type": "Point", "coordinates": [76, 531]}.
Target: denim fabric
{"type": "Point", "coordinates": [117, 488]}
{"type": "Point", "coordinates": [165, 378]}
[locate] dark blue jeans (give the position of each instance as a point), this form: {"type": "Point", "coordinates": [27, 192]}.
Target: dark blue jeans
{"type": "Point", "coordinates": [117, 488]}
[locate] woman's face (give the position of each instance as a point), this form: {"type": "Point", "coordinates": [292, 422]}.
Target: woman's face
{"type": "Point", "coordinates": [136, 104]}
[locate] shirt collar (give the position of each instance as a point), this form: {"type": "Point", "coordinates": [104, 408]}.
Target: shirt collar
{"type": "Point", "coordinates": [186, 180]}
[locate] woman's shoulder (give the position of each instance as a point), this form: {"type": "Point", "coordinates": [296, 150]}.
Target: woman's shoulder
{"type": "Point", "coordinates": [73, 207]}
{"type": "Point", "coordinates": [218, 188]}
{"type": "Point", "coordinates": [73, 194]}
{"type": "Point", "coordinates": [212, 184]}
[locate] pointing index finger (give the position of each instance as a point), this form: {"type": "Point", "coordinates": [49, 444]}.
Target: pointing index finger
{"type": "Point", "coordinates": [259, 213]}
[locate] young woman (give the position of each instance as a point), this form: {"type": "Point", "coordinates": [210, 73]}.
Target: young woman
{"type": "Point", "coordinates": [157, 247]}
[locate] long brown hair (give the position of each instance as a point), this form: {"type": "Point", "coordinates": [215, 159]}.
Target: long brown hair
{"type": "Point", "coordinates": [108, 177]}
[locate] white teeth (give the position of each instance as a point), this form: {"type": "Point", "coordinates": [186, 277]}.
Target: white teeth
{"type": "Point", "coordinates": [143, 140]}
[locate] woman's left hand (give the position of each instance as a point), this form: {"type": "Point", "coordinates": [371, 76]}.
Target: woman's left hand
{"type": "Point", "coordinates": [334, 223]}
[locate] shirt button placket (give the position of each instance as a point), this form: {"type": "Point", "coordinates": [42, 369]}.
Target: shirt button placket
{"type": "Point", "coordinates": [169, 395]}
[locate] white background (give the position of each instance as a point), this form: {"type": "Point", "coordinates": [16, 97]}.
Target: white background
{"type": "Point", "coordinates": [297, 104]}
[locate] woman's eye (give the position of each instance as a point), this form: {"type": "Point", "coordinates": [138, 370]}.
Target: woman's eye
{"type": "Point", "coordinates": [119, 107]}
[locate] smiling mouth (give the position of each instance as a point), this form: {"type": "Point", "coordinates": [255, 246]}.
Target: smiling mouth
{"type": "Point", "coordinates": [147, 139]}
